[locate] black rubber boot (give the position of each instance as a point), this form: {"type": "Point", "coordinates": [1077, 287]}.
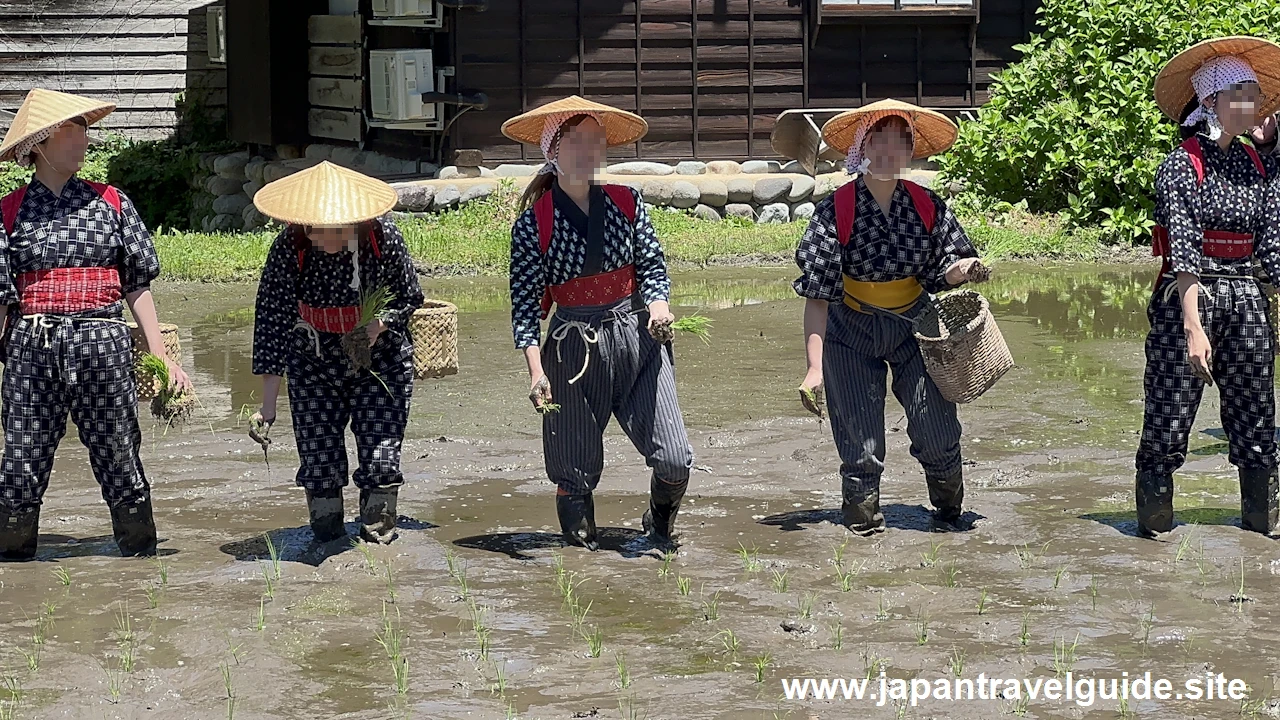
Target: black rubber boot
{"type": "Point", "coordinates": [134, 528]}
{"type": "Point", "coordinates": [1154, 492]}
{"type": "Point", "coordinates": [577, 515]}
{"type": "Point", "coordinates": [1260, 500]}
{"type": "Point", "coordinates": [946, 494]}
{"type": "Point", "coordinates": [664, 504]}
{"type": "Point", "coordinates": [18, 532]}
{"type": "Point", "coordinates": [860, 511]}
{"type": "Point", "coordinates": [378, 514]}
{"type": "Point", "coordinates": [325, 510]}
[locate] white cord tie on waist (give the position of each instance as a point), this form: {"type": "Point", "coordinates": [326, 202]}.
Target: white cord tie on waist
{"type": "Point", "coordinates": [47, 323]}
{"type": "Point", "coordinates": [315, 334]}
{"type": "Point", "coordinates": [590, 336]}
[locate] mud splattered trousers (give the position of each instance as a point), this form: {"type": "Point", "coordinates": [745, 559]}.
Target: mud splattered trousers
{"type": "Point", "coordinates": [860, 349]}
{"type": "Point", "coordinates": [1234, 315]}
{"type": "Point", "coordinates": [602, 362]}
{"type": "Point", "coordinates": [59, 365]}
{"type": "Point", "coordinates": [326, 394]}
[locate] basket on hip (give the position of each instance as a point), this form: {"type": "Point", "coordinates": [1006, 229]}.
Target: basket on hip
{"type": "Point", "coordinates": [434, 328]}
{"type": "Point", "coordinates": [963, 349]}
{"type": "Point", "coordinates": [148, 386]}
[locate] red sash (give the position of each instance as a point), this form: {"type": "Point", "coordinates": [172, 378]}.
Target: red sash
{"type": "Point", "coordinates": [340, 320]}
{"type": "Point", "coordinates": [602, 289]}
{"type": "Point", "coordinates": [69, 290]}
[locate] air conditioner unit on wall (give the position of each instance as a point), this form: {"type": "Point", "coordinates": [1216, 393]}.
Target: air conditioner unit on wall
{"type": "Point", "coordinates": [397, 79]}
{"type": "Point", "coordinates": [405, 8]}
{"type": "Point", "coordinates": [217, 42]}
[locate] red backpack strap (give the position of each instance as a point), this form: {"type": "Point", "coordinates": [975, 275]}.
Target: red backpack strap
{"type": "Point", "coordinates": [108, 193]}
{"type": "Point", "coordinates": [544, 212]}
{"type": "Point", "coordinates": [9, 207]}
{"type": "Point", "coordinates": [846, 199]}
{"type": "Point", "coordinates": [1196, 153]}
{"type": "Point", "coordinates": [925, 207]}
{"type": "Point", "coordinates": [1257, 159]}
{"type": "Point", "coordinates": [622, 196]}
{"type": "Point", "coordinates": [375, 232]}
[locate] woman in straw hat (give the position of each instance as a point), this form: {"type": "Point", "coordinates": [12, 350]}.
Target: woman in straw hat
{"type": "Point", "coordinates": [1208, 314]}
{"type": "Point", "coordinates": [590, 250]}
{"type": "Point", "coordinates": [871, 255]}
{"type": "Point", "coordinates": [74, 252]}
{"type": "Point", "coordinates": [347, 353]}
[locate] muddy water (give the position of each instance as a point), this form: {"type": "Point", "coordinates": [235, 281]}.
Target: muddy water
{"type": "Point", "coordinates": [1051, 576]}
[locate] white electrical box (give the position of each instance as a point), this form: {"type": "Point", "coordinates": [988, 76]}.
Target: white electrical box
{"type": "Point", "coordinates": [397, 79]}
{"type": "Point", "coordinates": [217, 19]}
{"type": "Point", "coordinates": [405, 8]}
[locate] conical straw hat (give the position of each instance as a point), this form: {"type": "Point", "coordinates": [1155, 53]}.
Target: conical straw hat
{"type": "Point", "coordinates": [934, 132]}
{"type": "Point", "coordinates": [326, 195]}
{"type": "Point", "coordinates": [620, 126]}
{"type": "Point", "coordinates": [47, 109]}
{"type": "Point", "coordinates": [1173, 85]}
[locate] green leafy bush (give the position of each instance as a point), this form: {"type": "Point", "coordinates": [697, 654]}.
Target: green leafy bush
{"type": "Point", "coordinates": [1073, 126]}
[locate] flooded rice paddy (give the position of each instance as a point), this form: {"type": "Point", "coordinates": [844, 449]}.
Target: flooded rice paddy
{"type": "Point", "coordinates": [477, 612]}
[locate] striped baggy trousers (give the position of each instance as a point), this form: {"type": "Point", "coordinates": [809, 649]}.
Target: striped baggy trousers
{"type": "Point", "coordinates": [629, 376]}
{"type": "Point", "coordinates": [859, 350]}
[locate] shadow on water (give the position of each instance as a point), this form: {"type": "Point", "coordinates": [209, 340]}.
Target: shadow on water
{"type": "Point", "coordinates": [1126, 523]}
{"type": "Point", "coordinates": [51, 548]}
{"type": "Point", "coordinates": [298, 545]}
{"type": "Point", "coordinates": [898, 516]}
{"type": "Point", "coordinates": [624, 541]}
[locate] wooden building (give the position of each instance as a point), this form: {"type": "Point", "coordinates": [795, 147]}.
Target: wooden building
{"type": "Point", "coordinates": [139, 54]}
{"type": "Point", "coordinates": [710, 76]}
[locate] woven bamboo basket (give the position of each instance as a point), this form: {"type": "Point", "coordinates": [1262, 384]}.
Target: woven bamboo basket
{"type": "Point", "coordinates": [434, 328]}
{"type": "Point", "coordinates": [963, 350]}
{"type": "Point", "coordinates": [148, 387]}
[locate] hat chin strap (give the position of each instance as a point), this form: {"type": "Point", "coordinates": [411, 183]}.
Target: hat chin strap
{"type": "Point", "coordinates": [354, 246]}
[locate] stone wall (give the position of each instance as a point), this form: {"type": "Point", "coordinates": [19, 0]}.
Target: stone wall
{"type": "Point", "coordinates": [759, 190]}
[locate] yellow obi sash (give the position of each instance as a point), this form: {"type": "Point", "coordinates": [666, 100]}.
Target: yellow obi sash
{"type": "Point", "coordinates": [896, 296]}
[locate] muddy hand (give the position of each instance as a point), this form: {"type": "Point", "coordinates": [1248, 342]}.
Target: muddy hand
{"type": "Point", "coordinates": [260, 430]}
{"type": "Point", "coordinates": [660, 329]}
{"type": "Point", "coordinates": [811, 396]}
{"type": "Point", "coordinates": [540, 393]}
{"type": "Point", "coordinates": [178, 379]}
{"type": "Point", "coordinates": [1199, 355]}
{"type": "Point", "coordinates": [978, 272]}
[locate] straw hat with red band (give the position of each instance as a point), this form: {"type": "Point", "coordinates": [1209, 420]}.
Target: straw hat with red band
{"type": "Point", "coordinates": [326, 195]}
{"type": "Point", "coordinates": [931, 131]}
{"type": "Point", "coordinates": [620, 127]}
{"type": "Point", "coordinates": [42, 112]}
{"type": "Point", "coordinates": [1174, 88]}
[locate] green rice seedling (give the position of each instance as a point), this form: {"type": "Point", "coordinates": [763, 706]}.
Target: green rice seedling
{"type": "Point", "coordinates": [274, 554]}
{"type": "Point", "coordinates": [1240, 598]}
{"type": "Point", "coordinates": [511, 712]}
{"type": "Point", "coordinates": [595, 641]}
{"type": "Point", "coordinates": [624, 674]}
{"type": "Point", "coordinates": [375, 302]}
{"type": "Point", "coordinates": [1019, 706]}
{"type": "Point", "coordinates": [665, 570]}
{"type": "Point", "coordinates": [478, 614]}
{"type": "Point", "coordinates": [261, 623]}
{"type": "Point", "coordinates": [982, 602]}
{"type": "Point", "coordinates": [231, 708]}
{"type": "Point", "coordinates": [1184, 546]}
{"type": "Point", "coordinates": [930, 559]}
{"type": "Point", "coordinates": [922, 629]}
{"type": "Point", "coordinates": [1146, 623]}
{"type": "Point", "coordinates": [62, 576]}
{"type": "Point", "coordinates": [882, 610]}
{"type": "Point", "coordinates": [957, 661]}
{"type": "Point", "coordinates": [845, 578]}
{"type": "Point", "coordinates": [804, 604]}
{"type": "Point", "coordinates": [711, 607]}
{"type": "Point", "coordinates": [578, 612]}
{"type": "Point", "coordinates": [1093, 591]}
{"type": "Point", "coordinates": [872, 664]}
{"type": "Point", "coordinates": [451, 562]}
{"type": "Point", "coordinates": [761, 665]}
{"type": "Point", "coordinates": [548, 408]}
{"type": "Point", "coordinates": [1189, 644]}
{"type": "Point", "coordinates": [683, 585]}
{"type": "Point", "coordinates": [499, 686]}
{"type": "Point", "coordinates": [170, 406]}
{"type": "Point", "coordinates": [696, 325]}
{"type": "Point", "coordinates": [32, 657]}
{"type": "Point", "coordinates": [115, 680]}
{"type": "Point", "coordinates": [228, 682]}
{"type": "Point", "coordinates": [730, 641]}
{"type": "Point", "coordinates": [1123, 709]}
{"type": "Point", "coordinates": [153, 597]}
{"type": "Point", "coordinates": [780, 581]}
{"type": "Point", "coordinates": [391, 638]}
{"type": "Point", "coordinates": [234, 649]}
{"type": "Point", "coordinates": [627, 708]}
{"type": "Point", "coordinates": [1064, 655]}
{"type": "Point", "coordinates": [1024, 635]}
{"type": "Point", "coordinates": [750, 559]}
{"type": "Point", "coordinates": [837, 635]}
{"type": "Point", "coordinates": [124, 623]}
{"type": "Point", "coordinates": [837, 554]}
{"type": "Point", "coordinates": [270, 584]}
{"type": "Point", "coordinates": [389, 578]}
{"type": "Point", "coordinates": [1026, 558]}
{"type": "Point", "coordinates": [162, 571]}
{"type": "Point", "coordinates": [484, 643]}
{"type": "Point", "coordinates": [949, 575]}
{"type": "Point", "coordinates": [128, 657]}
{"type": "Point", "coordinates": [366, 552]}
{"type": "Point", "coordinates": [900, 709]}
{"type": "Point", "coordinates": [1057, 575]}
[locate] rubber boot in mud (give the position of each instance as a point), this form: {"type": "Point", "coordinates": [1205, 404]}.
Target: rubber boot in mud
{"type": "Point", "coordinates": [324, 507]}
{"type": "Point", "coordinates": [946, 494]}
{"type": "Point", "coordinates": [1260, 500]}
{"type": "Point", "coordinates": [861, 512]}
{"type": "Point", "coordinates": [1154, 493]}
{"type": "Point", "coordinates": [664, 504]}
{"type": "Point", "coordinates": [134, 528]}
{"type": "Point", "coordinates": [378, 514]}
{"type": "Point", "coordinates": [18, 532]}
{"type": "Point", "coordinates": [577, 515]}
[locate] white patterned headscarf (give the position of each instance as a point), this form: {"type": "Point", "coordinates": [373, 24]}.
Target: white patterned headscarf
{"type": "Point", "coordinates": [1213, 77]}
{"type": "Point", "coordinates": [856, 161]}
{"type": "Point", "coordinates": [23, 152]}
{"type": "Point", "coordinates": [553, 131]}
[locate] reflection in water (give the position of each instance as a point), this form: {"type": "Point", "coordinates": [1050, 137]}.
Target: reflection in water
{"type": "Point", "coordinates": [1075, 303]}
